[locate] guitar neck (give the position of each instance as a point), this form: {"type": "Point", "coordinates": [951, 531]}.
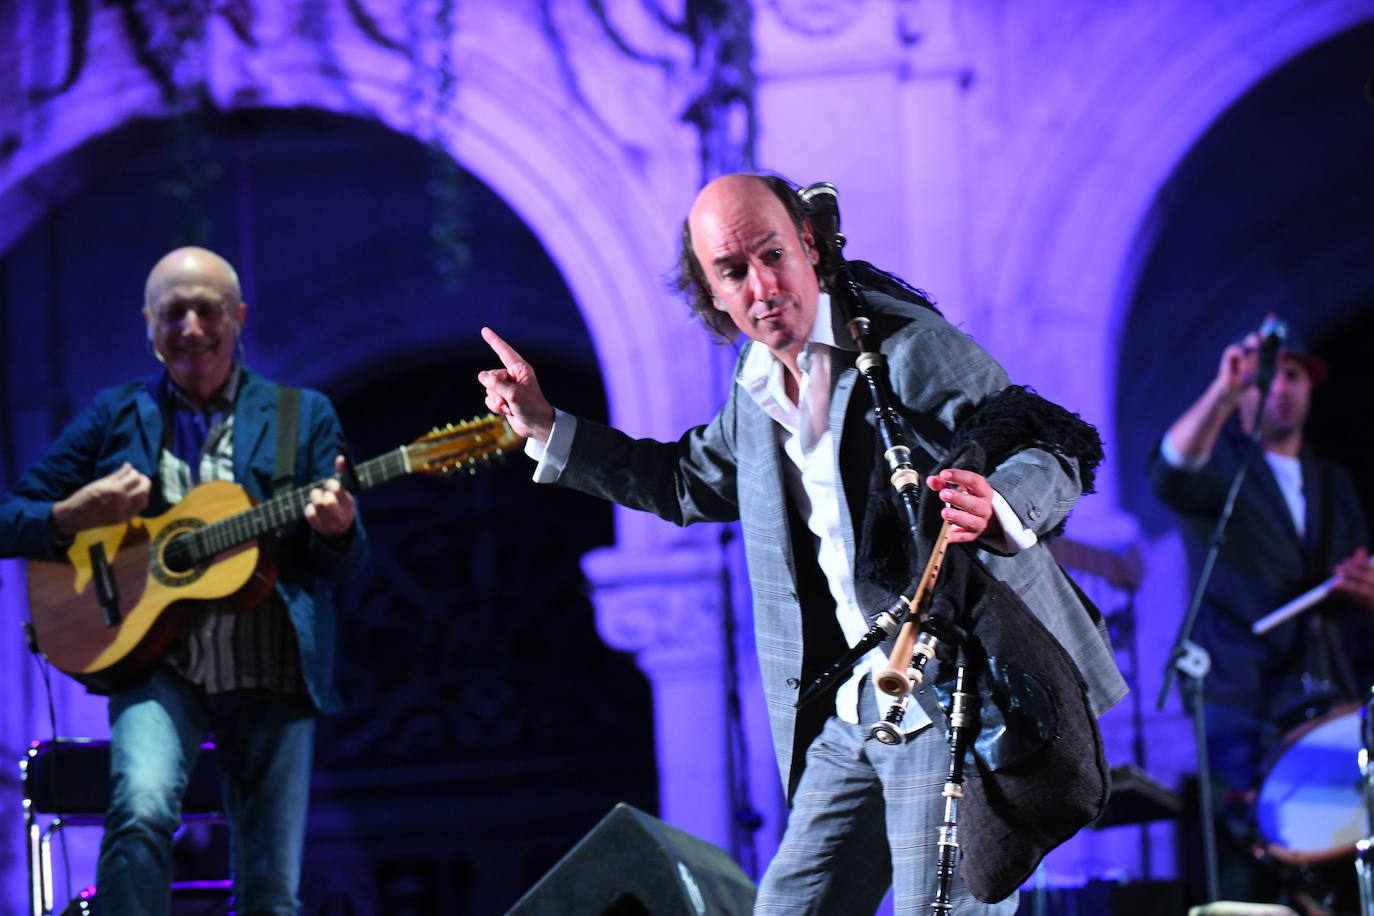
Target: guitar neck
{"type": "Point", "coordinates": [283, 510]}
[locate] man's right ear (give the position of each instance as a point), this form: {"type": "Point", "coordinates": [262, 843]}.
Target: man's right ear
{"type": "Point", "coordinates": [808, 239]}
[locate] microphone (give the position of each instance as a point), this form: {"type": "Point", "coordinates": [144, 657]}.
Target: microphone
{"type": "Point", "coordinates": [1272, 332]}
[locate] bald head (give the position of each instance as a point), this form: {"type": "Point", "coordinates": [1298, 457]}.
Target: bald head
{"type": "Point", "coordinates": [726, 197]}
{"type": "Point", "coordinates": [194, 313]}
{"type": "Point", "coordinates": [198, 266]}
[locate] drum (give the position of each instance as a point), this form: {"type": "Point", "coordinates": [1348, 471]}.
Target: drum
{"type": "Point", "coordinates": [1310, 807]}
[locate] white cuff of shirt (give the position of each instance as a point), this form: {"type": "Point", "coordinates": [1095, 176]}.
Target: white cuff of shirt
{"type": "Point", "coordinates": [1175, 459]}
{"type": "Point", "coordinates": [553, 455]}
{"type": "Point", "coordinates": [1014, 536]}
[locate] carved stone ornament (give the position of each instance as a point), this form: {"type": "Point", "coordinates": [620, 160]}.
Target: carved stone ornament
{"type": "Point", "coordinates": [817, 17]}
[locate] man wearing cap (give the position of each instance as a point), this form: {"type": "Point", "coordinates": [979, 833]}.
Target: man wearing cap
{"type": "Point", "coordinates": [1296, 522]}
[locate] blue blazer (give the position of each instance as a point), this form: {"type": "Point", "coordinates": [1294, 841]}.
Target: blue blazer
{"type": "Point", "coordinates": [124, 423]}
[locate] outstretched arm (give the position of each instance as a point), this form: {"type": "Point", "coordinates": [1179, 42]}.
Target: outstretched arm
{"type": "Point", "coordinates": [686, 481]}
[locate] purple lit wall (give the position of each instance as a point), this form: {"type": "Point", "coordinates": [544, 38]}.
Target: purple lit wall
{"type": "Point", "coordinates": [1102, 194]}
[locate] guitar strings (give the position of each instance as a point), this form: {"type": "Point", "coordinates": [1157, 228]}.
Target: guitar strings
{"type": "Point", "coordinates": [203, 543]}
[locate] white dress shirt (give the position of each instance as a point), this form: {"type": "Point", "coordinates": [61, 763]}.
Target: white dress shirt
{"type": "Point", "coordinates": [812, 479]}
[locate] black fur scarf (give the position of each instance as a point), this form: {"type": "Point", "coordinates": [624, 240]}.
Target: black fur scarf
{"type": "Point", "coordinates": [1014, 419]}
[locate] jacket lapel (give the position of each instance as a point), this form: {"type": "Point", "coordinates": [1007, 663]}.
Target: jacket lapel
{"type": "Point", "coordinates": [1315, 516]}
{"type": "Point", "coordinates": [850, 474]}
{"type": "Point", "coordinates": [150, 421]}
{"type": "Point", "coordinates": [253, 421]}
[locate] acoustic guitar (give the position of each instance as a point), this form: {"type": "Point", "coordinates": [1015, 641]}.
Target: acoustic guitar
{"type": "Point", "coordinates": [113, 609]}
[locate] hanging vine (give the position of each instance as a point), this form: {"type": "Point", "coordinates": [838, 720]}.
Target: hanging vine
{"type": "Point", "coordinates": [168, 38]}
{"type": "Point", "coordinates": [448, 229]}
{"type": "Point", "coordinates": [723, 110]}
{"type": "Point", "coordinates": [169, 43]}
{"type": "Point", "coordinates": [722, 104]}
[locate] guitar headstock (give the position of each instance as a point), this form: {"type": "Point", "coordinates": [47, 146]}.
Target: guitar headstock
{"type": "Point", "coordinates": [464, 446]}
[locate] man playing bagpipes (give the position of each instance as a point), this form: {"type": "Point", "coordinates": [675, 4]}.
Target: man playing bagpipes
{"type": "Point", "coordinates": [791, 455]}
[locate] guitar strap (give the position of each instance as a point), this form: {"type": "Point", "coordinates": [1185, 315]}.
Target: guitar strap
{"type": "Point", "coordinates": [288, 412]}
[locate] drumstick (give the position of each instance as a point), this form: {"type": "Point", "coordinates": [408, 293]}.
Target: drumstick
{"type": "Point", "coordinates": [1296, 606]}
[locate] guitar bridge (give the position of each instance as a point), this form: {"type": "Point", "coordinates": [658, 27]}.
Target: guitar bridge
{"type": "Point", "coordinates": [106, 586]}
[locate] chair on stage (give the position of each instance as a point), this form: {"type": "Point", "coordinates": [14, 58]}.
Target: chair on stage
{"type": "Point", "coordinates": [67, 781]}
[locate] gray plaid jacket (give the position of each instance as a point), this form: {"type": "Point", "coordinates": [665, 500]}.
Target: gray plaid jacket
{"type": "Point", "coordinates": [731, 468]}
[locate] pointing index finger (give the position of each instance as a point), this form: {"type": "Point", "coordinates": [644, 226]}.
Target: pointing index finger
{"type": "Point", "coordinates": [509, 358]}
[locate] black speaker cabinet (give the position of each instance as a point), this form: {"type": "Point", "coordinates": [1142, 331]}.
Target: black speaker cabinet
{"type": "Point", "coordinates": [632, 863]}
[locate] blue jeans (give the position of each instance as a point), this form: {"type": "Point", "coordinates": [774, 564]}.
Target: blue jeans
{"type": "Point", "coordinates": [865, 816]}
{"type": "Point", "coordinates": [265, 742]}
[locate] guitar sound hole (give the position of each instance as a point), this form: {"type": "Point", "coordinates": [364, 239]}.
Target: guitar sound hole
{"type": "Point", "coordinates": [177, 558]}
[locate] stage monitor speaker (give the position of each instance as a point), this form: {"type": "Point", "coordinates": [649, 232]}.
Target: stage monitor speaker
{"type": "Point", "coordinates": [633, 863]}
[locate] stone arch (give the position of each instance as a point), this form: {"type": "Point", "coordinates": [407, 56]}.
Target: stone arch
{"type": "Point", "coordinates": [1074, 271]}
{"type": "Point", "coordinates": [1267, 213]}
{"type": "Point", "coordinates": [601, 188]}
{"type": "Point", "coordinates": [601, 185]}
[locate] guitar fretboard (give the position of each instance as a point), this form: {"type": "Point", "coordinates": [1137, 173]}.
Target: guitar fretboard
{"type": "Point", "coordinates": [280, 511]}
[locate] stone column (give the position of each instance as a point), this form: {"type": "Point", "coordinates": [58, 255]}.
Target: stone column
{"type": "Point", "coordinates": [666, 604]}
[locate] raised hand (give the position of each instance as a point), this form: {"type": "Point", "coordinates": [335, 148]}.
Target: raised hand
{"type": "Point", "coordinates": [1239, 366]}
{"type": "Point", "coordinates": [112, 499]}
{"type": "Point", "coordinates": [513, 391]}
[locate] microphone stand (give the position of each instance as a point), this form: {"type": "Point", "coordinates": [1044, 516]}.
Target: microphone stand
{"type": "Point", "coordinates": [1364, 849]}
{"type": "Point", "coordinates": [1192, 663]}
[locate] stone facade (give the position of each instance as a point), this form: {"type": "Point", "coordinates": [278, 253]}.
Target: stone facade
{"type": "Point", "coordinates": [1003, 156]}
